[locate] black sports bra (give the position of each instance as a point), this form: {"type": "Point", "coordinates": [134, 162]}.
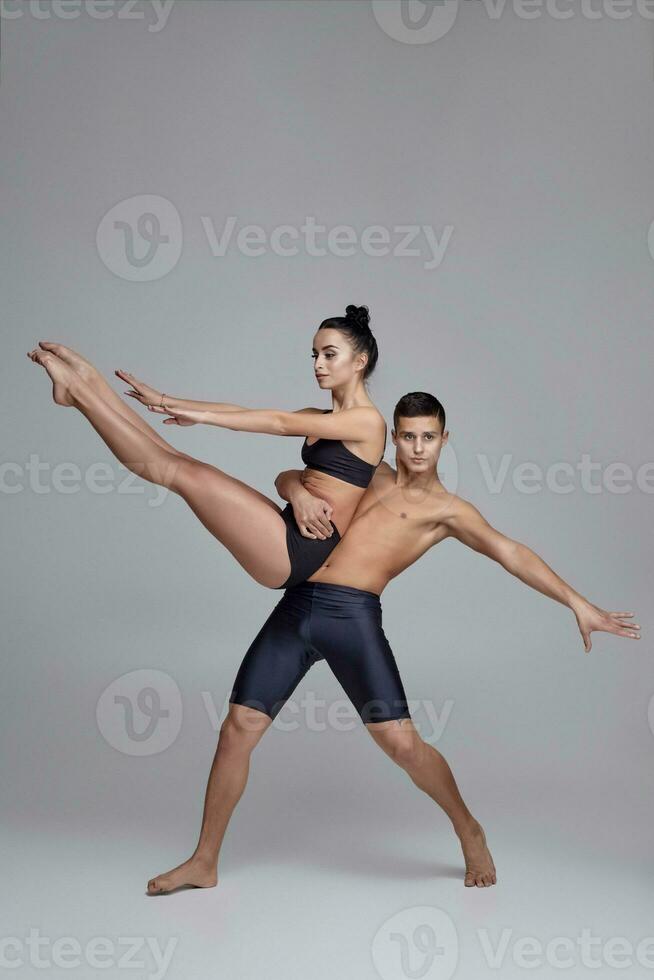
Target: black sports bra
{"type": "Point", "coordinates": [332, 457]}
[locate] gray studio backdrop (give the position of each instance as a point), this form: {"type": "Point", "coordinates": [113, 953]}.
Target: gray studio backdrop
{"type": "Point", "coordinates": [188, 191]}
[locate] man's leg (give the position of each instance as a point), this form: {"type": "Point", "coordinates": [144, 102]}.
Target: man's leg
{"type": "Point", "coordinates": [275, 662]}
{"type": "Point", "coordinates": [429, 771]}
{"type": "Point", "coordinates": [240, 732]}
{"type": "Point", "coordinates": [347, 626]}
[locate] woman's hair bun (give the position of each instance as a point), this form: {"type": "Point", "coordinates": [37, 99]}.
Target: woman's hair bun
{"type": "Point", "coordinates": [358, 316]}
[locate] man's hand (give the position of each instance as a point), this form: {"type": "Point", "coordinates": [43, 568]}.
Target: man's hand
{"type": "Point", "coordinates": [590, 617]}
{"type": "Point", "coordinates": [312, 515]}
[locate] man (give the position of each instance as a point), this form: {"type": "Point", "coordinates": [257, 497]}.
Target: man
{"type": "Point", "coordinates": [336, 615]}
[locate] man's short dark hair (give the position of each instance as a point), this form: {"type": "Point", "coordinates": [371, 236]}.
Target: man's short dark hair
{"type": "Point", "coordinates": [418, 403]}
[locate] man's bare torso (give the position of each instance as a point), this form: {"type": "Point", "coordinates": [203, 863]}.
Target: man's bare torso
{"type": "Point", "coordinates": [392, 527]}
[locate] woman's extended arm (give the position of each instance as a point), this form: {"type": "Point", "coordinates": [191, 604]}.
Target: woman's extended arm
{"type": "Point", "coordinates": [357, 424]}
{"type": "Point", "coordinates": [190, 403]}
{"type": "Point", "coordinates": [150, 396]}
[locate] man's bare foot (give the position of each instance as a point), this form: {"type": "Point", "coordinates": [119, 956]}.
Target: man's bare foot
{"type": "Point", "coordinates": [65, 380]}
{"type": "Point", "coordinates": [195, 872]}
{"type": "Point", "coordinates": [87, 371]}
{"type": "Point", "coordinates": [480, 869]}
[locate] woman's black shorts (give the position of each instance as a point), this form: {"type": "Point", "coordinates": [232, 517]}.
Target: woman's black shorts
{"type": "Point", "coordinates": [320, 621]}
{"type": "Point", "coordinates": [305, 554]}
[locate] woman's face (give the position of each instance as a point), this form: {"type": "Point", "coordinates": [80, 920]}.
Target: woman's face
{"type": "Point", "coordinates": [335, 363]}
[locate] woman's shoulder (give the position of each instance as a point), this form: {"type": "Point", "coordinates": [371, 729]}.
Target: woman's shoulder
{"type": "Point", "coordinates": [370, 411]}
{"type": "Point", "coordinates": [374, 419]}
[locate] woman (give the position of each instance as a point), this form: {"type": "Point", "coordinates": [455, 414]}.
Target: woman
{"type": "Point", "coordinates": [347, 444]}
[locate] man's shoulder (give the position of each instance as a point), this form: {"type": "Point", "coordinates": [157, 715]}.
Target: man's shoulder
{"type": "Point", "coordinates": [457, 515]}
{"type": "Point", "coordinates": [383, 480]}
{"type": "Point", "coordinates": [449, 507]}
{"type": "Point", "coordinates": [454, 503]}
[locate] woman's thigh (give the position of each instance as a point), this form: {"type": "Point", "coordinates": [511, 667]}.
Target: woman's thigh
{"type": "Point", "coordinates": [244, 520]}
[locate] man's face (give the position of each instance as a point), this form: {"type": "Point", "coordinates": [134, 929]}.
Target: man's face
{"type": "Point", "coordinates": [418, 442]}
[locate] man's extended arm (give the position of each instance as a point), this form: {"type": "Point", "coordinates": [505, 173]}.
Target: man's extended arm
{"type": "Point", "coordinates": [465, 523]}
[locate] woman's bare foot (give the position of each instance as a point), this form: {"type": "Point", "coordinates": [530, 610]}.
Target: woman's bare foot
{"type": "Point", "coordinates": [94, 380]}
{"type": "Point", "coordinates": [480, 869]}
{"type": "Point", "coordinates": [195, 872]}
{"type": "Point", "coordinates": [65, 380]}
{"type": "Point", "coordinates": [87, 371]}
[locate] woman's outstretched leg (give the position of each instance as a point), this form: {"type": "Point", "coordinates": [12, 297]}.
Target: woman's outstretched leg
{"type": "Point", "coordinates": [96, 380]}
{"type": "Point", "coordinates": [245, 521]}
{"type": "Point", "coordinates": [429, 771]}
{"type": "Point", "coordinates": [239, 734]}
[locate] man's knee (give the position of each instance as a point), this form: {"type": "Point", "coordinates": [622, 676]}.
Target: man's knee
{"type": "Point", "coordinates": [243, 727]}
{"type": "Point", "coordinates": [408, 749]}
{"type": "Point", "coordinates": [400, 741]}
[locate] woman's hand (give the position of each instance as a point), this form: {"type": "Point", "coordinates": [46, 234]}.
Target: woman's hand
{"type": "Point", "coordinates": [179, 416]}
{"type": "Point", "coordinates": [590, 617]}
{"type": "Point", "coordinates": [142, 392]}
{"type": "Point", "coordinates": [312, 515]}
